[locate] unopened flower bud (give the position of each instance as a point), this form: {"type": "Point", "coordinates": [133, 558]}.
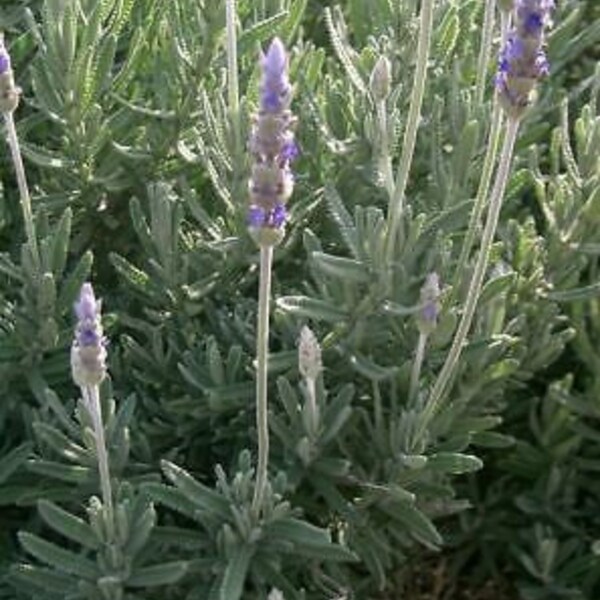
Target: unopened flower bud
{"type": "Point", "coordinates": [381, 79]}
{"type": "Point", "coordinates": [88, 351]}
{"type": "Point", "coordinates": [309, 355]}
{"type": "Point", "coordinates": [430, 306]}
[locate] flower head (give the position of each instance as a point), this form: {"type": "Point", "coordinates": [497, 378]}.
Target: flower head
{"type": "Point", "coordinates": [273, 149]}
{"type": "Point", "coordinates": [88, 351]}
{"type": "Point", "coordinates": [522, 59]}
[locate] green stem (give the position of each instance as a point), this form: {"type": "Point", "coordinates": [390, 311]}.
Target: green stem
{"type": "Point", "coordinates": [464, 325]}
{"type": "Point", "coordinates": [378, 410]}
{"type": "Point", "coordinates": [15, 150]}
{"type": "Point", "coordinates": [233, 95]}
{"type": "Point", "coordinates": [484, 183]}
{"type": "Point", "coordinates": [313, 407]}
{"type": "Point", "coordinates": [485, 50]}
{"type": "Point", "coordinates": [262, 354]}
{"type": "Point", "coordinates": [91, 397]}
{"type": "Point", "coordinates": [412, 123]}
{"type": "Point", "coordinates": [385, 158]}
{"type": "Point", "coordinates": [415, 374]}
{"type": "Point", "coordinates": [482, 193]}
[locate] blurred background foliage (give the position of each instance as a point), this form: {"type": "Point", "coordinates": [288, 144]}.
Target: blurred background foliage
{"type": "Point", "coordinates": [139, 184]}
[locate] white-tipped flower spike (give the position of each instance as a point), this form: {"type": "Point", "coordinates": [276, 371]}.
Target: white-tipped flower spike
{"type": "Point", "coordinates": [88, 352]}
{"type": "Point", "coordinates": [309, 355]}
{"type": "Point", "coordinates": [430, 306]}
{"type": "Point", "coordinates": [9, 92]}
{"type": "Point", "coordinates": [275, 595]}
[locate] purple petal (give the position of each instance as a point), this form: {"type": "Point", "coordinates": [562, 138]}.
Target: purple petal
{"type": "Point", "coordinates": [290, 151]}
{"type": "Point", "coordinates": [278, 216]}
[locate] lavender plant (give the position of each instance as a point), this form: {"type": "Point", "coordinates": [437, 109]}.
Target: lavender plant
{"type": "Point", "coordinates": [110, 542]}
{"type": "Point", "coordinates": [135, 117]}
{"type": "Point", "coordinates": [522, 63]}
{"type": "Point", "coordinates": [271, 185]}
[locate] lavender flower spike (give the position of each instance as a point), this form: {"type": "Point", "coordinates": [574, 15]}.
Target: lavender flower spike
{"type": "Point", "coordinates": [9, 92]}
{"type": "Point", "coordinates": [88, 351]}
{"type": "Point", "coordinates": [523, 60]}
{"type": "Point", "coordinates": [273, 150]}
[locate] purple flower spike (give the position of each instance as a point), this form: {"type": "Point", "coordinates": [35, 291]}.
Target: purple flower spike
{"type": "Point", "coordinates": [273, 149]}
{"type": "Point", "coordinates": [523, 60]}
{"type": "Point", "coordinates": [88, 351]}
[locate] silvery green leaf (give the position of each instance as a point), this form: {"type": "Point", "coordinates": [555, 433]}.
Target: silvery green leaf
{"type": "Point", "coordinates": [232, 585]}
{"type": "Point", "coordinates": [68, 525]}
{"type": "Point", "coordinates": [55, 556]}
{"type": "Point", "coordinates": [13, 460]}
{"type": "Point", "coordinates": [163, 574]}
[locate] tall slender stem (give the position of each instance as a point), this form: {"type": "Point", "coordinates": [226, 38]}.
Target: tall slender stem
{"type": "Point", "coordinates": [415, 374]}
{"type": "Point", "coordinates": [484, 183]}
{"type": "Point", "coordinates": [485, 50]}
{"type": "Point", "coordinates": [313, 407]}
{"type": "Point", "coordinates": [410, 133]}
{"type": "Point", "coordinates": [15, 150]}
{"type": "Point", "coordinates": [481, 197]}
{"type": "Point", "coordinates": [233, 94]}
{"type": "Point", "coordinates": [384, 157]}
{"type": "Point", "coordinates": [262, 354]}
{"type": "Point", "coordinates": [91, 396]}
{"type": "Point", "coordinates": [464, 325]}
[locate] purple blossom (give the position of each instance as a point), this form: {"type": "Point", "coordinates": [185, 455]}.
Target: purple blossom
{"type": "Point", "coordinates": [290, 151]}
{"type": "Point", "coordinates": [277, 217]}
{"type": "Point", "coordinates": [523, 61]}
{"type": "Point", "coordinates": [88, 352]}
{"type": "Point", "coordinates": [258, 217]}
{"type": "Point", "coordinates": [273, 147]}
